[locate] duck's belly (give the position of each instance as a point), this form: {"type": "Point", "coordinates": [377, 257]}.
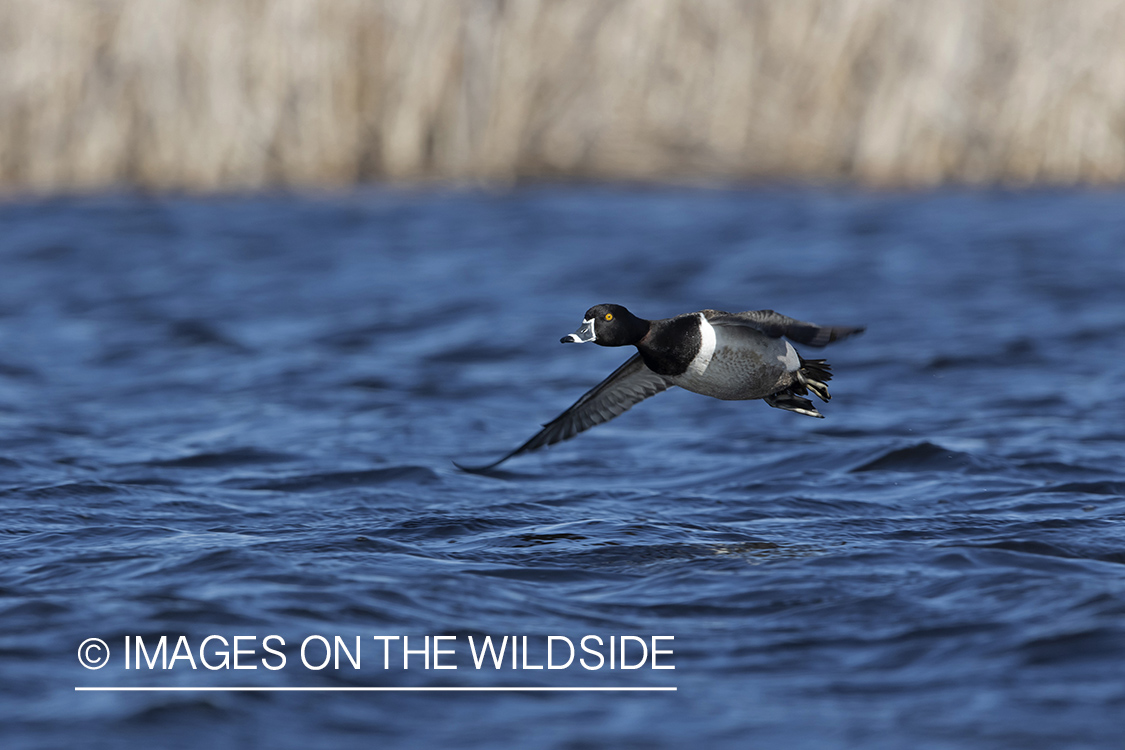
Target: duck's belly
{"type": "Point", "coordinates": [743, 364]}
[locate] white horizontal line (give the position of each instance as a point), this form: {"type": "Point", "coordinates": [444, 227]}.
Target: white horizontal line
{"type": "Point", "coordinates": [513, 689]}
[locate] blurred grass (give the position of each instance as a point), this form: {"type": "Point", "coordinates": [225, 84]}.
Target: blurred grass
{"type": "Point", "coordinates": [232, 94]}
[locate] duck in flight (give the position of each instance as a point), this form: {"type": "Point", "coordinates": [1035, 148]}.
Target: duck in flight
{"type": "Point", "coordinates": [729, 356]}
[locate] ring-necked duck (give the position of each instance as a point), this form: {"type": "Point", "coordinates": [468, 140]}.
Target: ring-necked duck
{"type": "Point", "coordinates": [731, 356]}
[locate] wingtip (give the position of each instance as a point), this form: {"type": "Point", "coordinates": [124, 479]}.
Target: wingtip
{"type": "Point", "coordinates": [839, 333]}
{"type": "Point", "coordinates": [480, 469]}
{"type": "Point", "coordinates": [473, 469]}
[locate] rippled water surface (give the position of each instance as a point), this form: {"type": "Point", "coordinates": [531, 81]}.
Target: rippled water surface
{"type": "Point", "coordinates": [236, 417]}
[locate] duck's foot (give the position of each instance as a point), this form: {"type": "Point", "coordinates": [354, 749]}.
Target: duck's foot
{"type": "Point", "coordinates": [792, 402]}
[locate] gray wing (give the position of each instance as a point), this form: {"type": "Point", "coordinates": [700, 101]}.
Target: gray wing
{"type": "Point", "coordinates": [775, 325]}
{"type": "Point", "coordinates": [629, 384]}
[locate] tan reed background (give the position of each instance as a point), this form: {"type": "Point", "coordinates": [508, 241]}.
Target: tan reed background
{"type": "Point", "coordinates": [234, 94]}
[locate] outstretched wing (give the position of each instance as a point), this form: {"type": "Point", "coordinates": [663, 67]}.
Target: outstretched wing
{"type": "Point", "coordinates": [775, 325]}
{"type": "Point", "coordinates": [629, 384]}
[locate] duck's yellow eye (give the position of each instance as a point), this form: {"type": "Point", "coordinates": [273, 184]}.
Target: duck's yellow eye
{"type": "Point", "coordinates": [609, 316]}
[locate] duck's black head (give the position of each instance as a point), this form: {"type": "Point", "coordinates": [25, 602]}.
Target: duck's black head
{"type": "Point", "coordinates": [609, 325]}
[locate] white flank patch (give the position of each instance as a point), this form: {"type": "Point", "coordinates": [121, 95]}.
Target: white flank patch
{"type": "Point", "coordinates": [791, 361]}
{"type": "Point", "coordinates": [699, 364]}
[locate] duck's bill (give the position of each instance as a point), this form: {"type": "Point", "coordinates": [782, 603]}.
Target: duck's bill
{"type": "Point", "coordinates": [584, 334]}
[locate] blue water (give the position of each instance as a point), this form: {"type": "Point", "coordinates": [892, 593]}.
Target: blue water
{"type": "Point", "coordinates": [236, 416]}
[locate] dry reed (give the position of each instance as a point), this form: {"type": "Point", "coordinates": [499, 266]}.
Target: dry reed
{"type": "Point", "coordinates": [232, 94]}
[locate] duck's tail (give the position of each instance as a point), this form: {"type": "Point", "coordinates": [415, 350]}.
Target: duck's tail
{"type": "Point", "coordinates": [813, 375]}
